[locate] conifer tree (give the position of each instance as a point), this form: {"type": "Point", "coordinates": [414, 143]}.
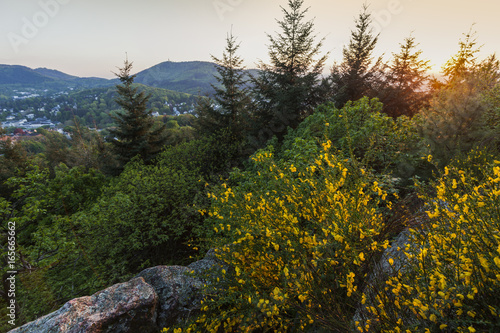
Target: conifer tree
{"type": "Point", "coordinates": [290, 86]}
{"type": "Point", "coordinates": [462, 115]}
{"type": "Point", "coordinates": [464, 62]}
{"type": "Point", "coordinates": [406, 79]}
{"type": "Point", "coordinates": [356, 77]}
{"type": "Point", "coordinates": [136, 132]}
{"type": "Point", "coordinates": [230, 110]}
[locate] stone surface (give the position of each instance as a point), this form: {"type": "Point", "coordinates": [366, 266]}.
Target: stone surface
{"type": "Point", "coordinates": [179, 289]}
{"type": "Point", "coordinates": [179, 294]}
{"type": "Point", "coordinates": [124, 307]}
{"type": "Point", "coordinates": [156, 298]}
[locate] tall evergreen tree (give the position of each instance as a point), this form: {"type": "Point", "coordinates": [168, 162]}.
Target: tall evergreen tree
{"type": "Point", "coordinates": [464, 62]}
{"type": "Point", "coordinates": [406, 79]}
{"type": "Point", "coordinates": [230, 109]}
{"type": "Point", "coordinates": [136, 132]}
{"type": "Point", "coordinates": [356, 77]}
{"type": "Point", "coordinates": [462, 114]}
{"type": "Point", "coordinates": [290, 87]}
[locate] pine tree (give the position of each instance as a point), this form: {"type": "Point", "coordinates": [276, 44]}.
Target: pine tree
{"type": "Point", "coordinates": [136, 132]}
{"type": "Point", "coordinates": [230, 110]}
{"type": "Point", "coordinates": [462, 114]}
{"type": "Point", "coordinates": [406, 79]}
{"type": "Point", "coordinates": [355, 77]}
{"type": "Point", "coordinates": [465, 61]}
{"type": "Point", "coordinates": [290, 87]}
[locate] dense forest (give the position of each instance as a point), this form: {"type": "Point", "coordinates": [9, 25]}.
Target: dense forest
{"type": "Point", "coordinates": [299, 181]}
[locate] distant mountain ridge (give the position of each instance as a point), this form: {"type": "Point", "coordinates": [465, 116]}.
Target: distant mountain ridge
{"type": "Point", "coordinates": [192, 77]}
{"type": "Point", "coordinates": [25, 76]}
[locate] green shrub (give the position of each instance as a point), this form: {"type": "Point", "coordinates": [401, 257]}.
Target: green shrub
{"type": "Point", "coordinates": [359, 130]}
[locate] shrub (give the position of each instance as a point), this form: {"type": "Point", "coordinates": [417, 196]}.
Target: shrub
{"type": "Point", "coordinates": [298, 235]}
{"type": "Point", "coordinates": [452, 280]}
{"type": "Point", "coordinates": [359, 130]}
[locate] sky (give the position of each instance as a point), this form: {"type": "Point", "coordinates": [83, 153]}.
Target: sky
{"type": "Point", "coordinates": [93, 37]}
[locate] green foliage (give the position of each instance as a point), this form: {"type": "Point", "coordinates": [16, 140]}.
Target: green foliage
{"type": "Point", "coordinates": [290, 87]}
{"type": "Point", "coordinates": [464, 113]}
{"type": "Point", "coordinates": [136, 133]}
{"type": "Point", "coordinates": [13, 159]}
{"type": "Point", "coordinates": [149, 209]}
{"type": "Point", "coordinates": [359, 130]}
{"type": "Point", "coordinates": [463, 63]}
{"type": "Point", "coordinates": [404, 91]}
{"type": "Point", "coordinates": [229, 108]}
{"type": "Point", "coordinates": [48, 256]}
{"type": "Point", "coordinates": [356, 76]}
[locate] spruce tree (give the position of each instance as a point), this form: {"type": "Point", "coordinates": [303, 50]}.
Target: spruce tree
{"type": "Point", "coordinates": [406, 81]}
{"type": "Point", "coordinates": [290, 87]}
{"type": "Point", "coordinates": [229, 107]}
{"type": "Point", "coordinates": [356, 77]}
{"type": "Point", "coordinates": [464, 62]}
{"type": "Point", "coordinates": [462, 115]}
{"type": "Point", "coordinates": [136, 132]}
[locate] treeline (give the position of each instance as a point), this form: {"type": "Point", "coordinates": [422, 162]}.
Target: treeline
{"type": "Point", "coordinates": [308, 177]}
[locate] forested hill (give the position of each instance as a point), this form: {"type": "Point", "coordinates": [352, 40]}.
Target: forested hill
{"type": "Point", "coordinates": [25, 77]}
{"type": "Point", "coordinates": [192, 77]}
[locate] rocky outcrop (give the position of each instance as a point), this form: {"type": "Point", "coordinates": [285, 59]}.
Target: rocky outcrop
{"type": "Point", "coordinates": [124, 307]}
{"type": "Point", "coordinates": [156, 298]}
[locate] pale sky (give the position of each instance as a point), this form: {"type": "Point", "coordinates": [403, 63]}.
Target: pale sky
{"type": "Point", "coordinates": [91, 37]}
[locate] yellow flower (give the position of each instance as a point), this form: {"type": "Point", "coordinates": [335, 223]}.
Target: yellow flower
{"type": "Point", "coordinates": [497, 261]}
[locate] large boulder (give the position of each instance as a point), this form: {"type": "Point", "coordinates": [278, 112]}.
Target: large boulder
{"type": "Point", "coordinates": [156, 298]}
{"type": "Point", "coordinates": [179, 289]}
{"type": "Point", "coordinates": [124, 307]}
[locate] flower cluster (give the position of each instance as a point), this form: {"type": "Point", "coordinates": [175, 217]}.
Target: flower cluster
{"type": "Point", "coordinates": [451, 281]}
{"type": "Point", "coordinates": [298, 236]}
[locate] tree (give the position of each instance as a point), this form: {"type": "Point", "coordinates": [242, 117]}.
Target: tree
{"type": "Point", "coordinates": [355, 77]}
{"type": "Point", "coordinates": [406, 80]}
{"type": "Point", "coordinates": [462, 114]}
{"type": "Point", "coordinates": [136, 132]}
{"type": "Point", "coordinates": [465, 61]}
{"type": "Point", "coordinates": [231, 97]}
{"type": "Point", "coordinates": [290, 87]}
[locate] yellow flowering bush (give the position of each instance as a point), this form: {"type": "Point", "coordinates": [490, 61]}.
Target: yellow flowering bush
{"type": "Point", "coordinates": [451, 282]}
{"type": "Point", "coordinates": [298, 236]}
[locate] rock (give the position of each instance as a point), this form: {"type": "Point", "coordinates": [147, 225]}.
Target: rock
{"type": "Point", "coordinates": [157, 297]}
{"type": "Point", "coordinates": [124, 307]}
{"type": "Point", "coordinates": [178, 293]}
{"type": "Point", "coordinates": [179, 289]}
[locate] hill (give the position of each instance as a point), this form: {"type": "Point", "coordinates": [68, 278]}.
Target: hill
{"type": "Point", "coordinates": [194, 77]}
{"type": "Point", "coordinates": [191, 77]}
{"type": "Point", "coordinates": [23, 77]}
{"type": "Point", "coordinates": [15, 74]}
